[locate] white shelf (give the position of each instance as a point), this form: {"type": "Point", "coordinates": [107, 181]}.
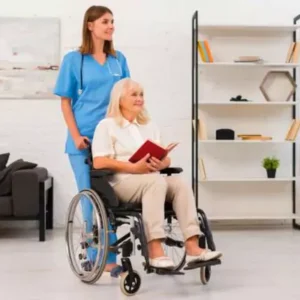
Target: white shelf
{"type": "Point", "coordinates": [237, 141]}
{"type": "Point", "coordinates": [249, 103]}
{"type": "Point", "coordinates": [245, 30]}
{"type": "Point", "coordinates": [250, 179]}
{"type": "Point", "coordinates": [211, 99]}
{"type": "Point", "coordinates": [245, 64]}
{"type": "Point", "coordinates": [262, 217]}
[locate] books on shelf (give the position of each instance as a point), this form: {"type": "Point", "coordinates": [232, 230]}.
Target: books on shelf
{"type": "Point", "coordinates": [293, 53]}
{"type": "Point", "coordinates": [207, 56]}
{"type": "Point", "coordinates": [250, 137]}
{"type": "Point", "coordinates": [293, 130]}
{"type": "Point", "coordinates": [290, 136]}
{"type": "Point", "coordinates": [202, 130]}
{"type": "Point", "coordinates": [202, 169]}
{"type": "Point", "coordinates": [205, 51]}
{"type": "Point", "coordinates": [248, 59]}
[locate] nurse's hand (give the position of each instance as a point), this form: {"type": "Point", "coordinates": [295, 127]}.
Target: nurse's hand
{"type": "Point", "coordinates": [143, 166]}
{"type": "Point", "coordinates": [80, 142]}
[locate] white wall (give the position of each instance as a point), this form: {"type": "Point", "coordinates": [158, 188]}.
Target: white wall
{"type": "Point", "coordinates": [156, 38]}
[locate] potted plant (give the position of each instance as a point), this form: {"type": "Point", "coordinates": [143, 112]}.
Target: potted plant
{"type": "Point", "coordinates": [271, 164]}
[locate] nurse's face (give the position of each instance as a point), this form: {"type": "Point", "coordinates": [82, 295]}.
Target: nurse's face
{"type": "Point", "coordinates": [102, 28]}
{"type": "Point", "coordinates": [132, 100]}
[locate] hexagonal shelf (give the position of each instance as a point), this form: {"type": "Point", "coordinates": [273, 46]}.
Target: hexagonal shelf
{"type": "Point", "coordinates": [278, 86]}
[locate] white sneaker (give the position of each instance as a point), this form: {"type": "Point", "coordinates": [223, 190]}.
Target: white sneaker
{"type": "Point", "coordinates": [206, 255]}
{"type": "Point", "coordinates": [162, 262]}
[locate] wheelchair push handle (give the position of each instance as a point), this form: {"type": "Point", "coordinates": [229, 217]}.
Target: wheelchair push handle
{"type": "Point", "coordinates": [87, 142]}
{"type": "Point", "coordinates": [88, 160]}
{"type": "Point", "coordinates": [89, 149]}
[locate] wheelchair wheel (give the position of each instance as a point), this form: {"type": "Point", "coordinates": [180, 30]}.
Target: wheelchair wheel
{"type": "Point", "coordinates": [130, 284]}
{"type": "Point", "coordinates": [205, 273]}
{"type": "Point", "coordinates": [174, 245]}
{"type": "Point", "coordinates": [93, 240]}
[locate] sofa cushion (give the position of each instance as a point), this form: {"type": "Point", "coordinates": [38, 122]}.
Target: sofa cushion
{"type": "Point", "coordinates": [6, 206]}
{"type": "Point", "coordinates": [6, 175]}
{"type": "Point", "coordinates": [3, 160]}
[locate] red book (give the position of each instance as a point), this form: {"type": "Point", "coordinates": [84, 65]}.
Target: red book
{"type": "Point", "coordinates": [153, 149]}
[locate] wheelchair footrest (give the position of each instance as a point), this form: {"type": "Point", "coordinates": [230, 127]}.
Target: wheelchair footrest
{"type": "Point", "coordinates": [200, 264]}
{"type": "Point", "coordinates": [160, 271]}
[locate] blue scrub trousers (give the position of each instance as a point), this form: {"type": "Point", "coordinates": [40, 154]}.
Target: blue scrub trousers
{"type": "Point", "coordinates": [81, 172]}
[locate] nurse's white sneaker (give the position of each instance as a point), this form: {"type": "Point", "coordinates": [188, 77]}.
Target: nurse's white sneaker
{"type": "Point", "coordinates": [205, 255]}
{"type": "Point", "coordinates": [162, 262]}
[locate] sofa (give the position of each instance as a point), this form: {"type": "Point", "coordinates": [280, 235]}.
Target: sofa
{"type": "Point", "coordinates": [26, 193]}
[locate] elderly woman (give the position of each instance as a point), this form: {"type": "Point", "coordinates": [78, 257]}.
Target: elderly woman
{"type": "Point", "coordinates": [116, 138]}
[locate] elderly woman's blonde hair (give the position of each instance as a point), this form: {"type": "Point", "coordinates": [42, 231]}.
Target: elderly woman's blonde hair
{"type": "Point", "coordinates": [118, 91]}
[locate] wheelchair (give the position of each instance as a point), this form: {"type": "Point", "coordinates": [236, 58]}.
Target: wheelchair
{"type": "Point", "coordinates": [107, 209]}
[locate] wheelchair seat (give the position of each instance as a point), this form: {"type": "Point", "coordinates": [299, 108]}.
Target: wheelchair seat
{"type": "Point", "coordinates": [137, 207]}
{"type": "Point", "coordinates": [100, 184]}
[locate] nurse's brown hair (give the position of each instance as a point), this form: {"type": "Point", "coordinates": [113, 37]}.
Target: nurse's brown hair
{"type": "Point", "coordinates": [92, 14]}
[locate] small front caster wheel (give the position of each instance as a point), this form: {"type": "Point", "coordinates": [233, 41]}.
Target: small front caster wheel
{"type": "Point", "coordinates": [205, 273]}
{"type": "Point", "coordinates": [130, 284]}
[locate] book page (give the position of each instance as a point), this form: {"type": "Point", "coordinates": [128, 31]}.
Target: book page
{"type": "Point", "coordinates": [171, 146]}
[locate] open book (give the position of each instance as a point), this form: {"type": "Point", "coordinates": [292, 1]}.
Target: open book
{"type": "Point", "coordinates": [153, 149]}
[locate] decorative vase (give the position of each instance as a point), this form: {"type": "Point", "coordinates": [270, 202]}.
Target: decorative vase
{"type": "Point", "coordinates": [271, 173]}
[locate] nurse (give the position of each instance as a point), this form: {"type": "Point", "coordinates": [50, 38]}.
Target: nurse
{"type": "Point", "coordinates": [84, 83]}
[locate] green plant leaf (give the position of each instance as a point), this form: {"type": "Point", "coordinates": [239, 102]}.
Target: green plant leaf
{"type": "Point", "coordinates": [271, 162]}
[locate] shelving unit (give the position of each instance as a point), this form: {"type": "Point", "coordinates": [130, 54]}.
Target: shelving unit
{"type": "Point", "coordinates": [207, 103]}
{"type": "Point", "coordinates": [253, 217]}
{"type": "Point", "coordinates": [253, 179]}
{"type": "Point", "coordinates": [254, 65]}
{"type": "Point", "coordinates": [246, 142]}
{"type": "Point", "coordinates": [198, 67]}
{"type": "Point", "coordinates": [235, 30]}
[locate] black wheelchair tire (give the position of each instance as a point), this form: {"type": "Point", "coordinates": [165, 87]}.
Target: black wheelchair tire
{"type": "Point", "coordinates": [205, 274]}
{"type": "Point", "coordinates": [128, 287]}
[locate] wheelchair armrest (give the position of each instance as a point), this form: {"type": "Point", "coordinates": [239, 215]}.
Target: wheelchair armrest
{"type": "Point", "coordinates": [97, 173]}
{"type": "Point", "coordinates": [170, 171]}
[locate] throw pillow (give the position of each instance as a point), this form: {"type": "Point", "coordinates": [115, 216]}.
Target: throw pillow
{"type": "Point", "coordinates": [6, 175]}
{"type": "Point", "coordinates": [3, 160]}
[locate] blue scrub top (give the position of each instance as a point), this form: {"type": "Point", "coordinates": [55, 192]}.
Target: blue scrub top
{"type": "Point", "coordinates": [90, 106]}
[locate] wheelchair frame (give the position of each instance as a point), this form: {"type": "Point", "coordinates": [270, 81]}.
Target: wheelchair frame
{"type": "Point", "coordinates": [108, 206]}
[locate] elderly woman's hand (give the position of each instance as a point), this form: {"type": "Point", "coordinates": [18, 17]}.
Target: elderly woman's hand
{"type": "Point", "coordinates": [142, 166]}
{"type": "Point", "coordinates": [159, 164]}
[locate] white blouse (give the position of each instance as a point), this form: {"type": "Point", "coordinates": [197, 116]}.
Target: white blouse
{"type": "Point", "coordinates": [120, 142]}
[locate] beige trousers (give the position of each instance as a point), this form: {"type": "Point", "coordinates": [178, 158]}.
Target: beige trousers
{"type": "Point", "coordinates": [153, 190]}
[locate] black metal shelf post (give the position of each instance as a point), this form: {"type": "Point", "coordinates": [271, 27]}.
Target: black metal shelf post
{"type": "Point", "coordinates": [294, 115]}
{"type": "Point", "coordinates": [195, 105]}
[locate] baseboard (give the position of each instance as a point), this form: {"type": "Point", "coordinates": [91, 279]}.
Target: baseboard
{"type": "Point", "coordinates": [215, 225]}
{"type": "Point", "coordinates": [19, 224]}
{"type": "Point", "coordinates": [249, 224]}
